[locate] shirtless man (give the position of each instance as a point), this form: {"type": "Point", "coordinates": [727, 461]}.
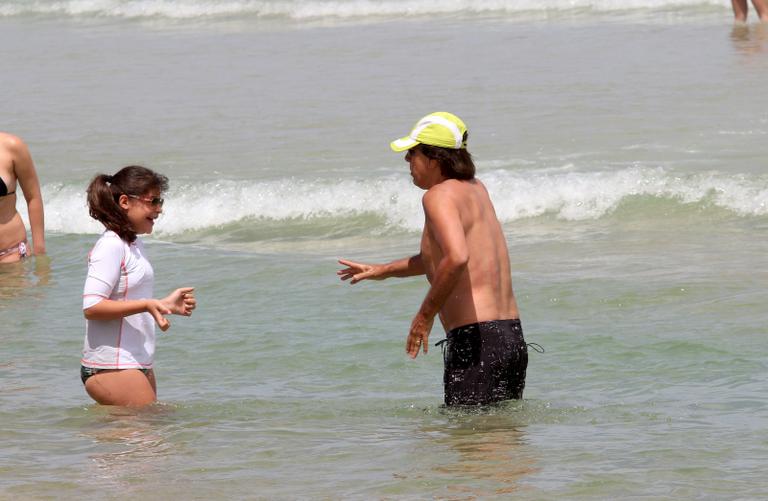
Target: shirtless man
{"type": "Point", "coordinates": [465, 258]}
{"type": "Point", "coordinates": [16, 167]}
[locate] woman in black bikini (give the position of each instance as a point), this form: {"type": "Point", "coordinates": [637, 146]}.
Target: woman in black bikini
{"type": "Point", "coordinates": [16, 166]}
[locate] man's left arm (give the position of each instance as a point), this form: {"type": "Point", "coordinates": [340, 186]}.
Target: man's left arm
{"type": "Point", "coordinates": [443, 222]}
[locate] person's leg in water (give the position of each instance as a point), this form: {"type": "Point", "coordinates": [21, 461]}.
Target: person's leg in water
{"type": "Point", "coordinates": [761, 7]}
{"type": "Point", "coordinates": [740, 9]}
{"type": "Point", "coordinates": [123, 387]}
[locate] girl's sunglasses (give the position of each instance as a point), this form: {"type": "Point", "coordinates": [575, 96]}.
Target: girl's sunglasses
{"type": "Point", "coordinates": [155, 202]}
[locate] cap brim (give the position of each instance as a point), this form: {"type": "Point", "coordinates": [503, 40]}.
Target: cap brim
{"type": "Point", "coordinates": [402, 144]}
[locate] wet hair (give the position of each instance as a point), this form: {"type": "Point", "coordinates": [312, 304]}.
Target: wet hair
{"type": "Point", "coordinates": [454, 164]}
{"type": "Point", "coordinates": [105, 190]}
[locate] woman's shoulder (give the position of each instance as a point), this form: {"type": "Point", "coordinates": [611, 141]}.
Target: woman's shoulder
{"type": "Point", "coordinates": [11, 142]}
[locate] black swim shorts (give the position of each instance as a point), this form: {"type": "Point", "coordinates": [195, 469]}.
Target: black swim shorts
{"type": "Point", "coordinates": [485, 362]}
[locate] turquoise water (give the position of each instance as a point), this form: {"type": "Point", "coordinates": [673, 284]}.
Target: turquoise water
{"type": "Point", "coordinates": [625, 152]}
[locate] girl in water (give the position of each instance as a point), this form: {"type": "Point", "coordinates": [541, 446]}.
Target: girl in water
{"type": "Point", "coordinates": [17, 170]}
{"type": "Point", "coordinates": [118, 302]}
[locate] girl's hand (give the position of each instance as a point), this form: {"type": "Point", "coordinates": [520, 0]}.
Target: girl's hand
{"type": "Point", "coordinates": [179, 302]}
{"type": "Point", "coordinates": [157, 309]}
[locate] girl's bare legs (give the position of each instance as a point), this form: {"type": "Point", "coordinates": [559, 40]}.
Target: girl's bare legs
{"type": "Point", "coordinates": [124, 387]}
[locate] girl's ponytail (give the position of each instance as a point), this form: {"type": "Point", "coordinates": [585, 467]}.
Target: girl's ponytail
{"type": "Point", "coordinates": [103, 195]}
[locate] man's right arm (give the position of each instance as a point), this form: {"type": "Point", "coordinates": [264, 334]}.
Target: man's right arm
{"type": "Point", "coordinates": [406, 267]}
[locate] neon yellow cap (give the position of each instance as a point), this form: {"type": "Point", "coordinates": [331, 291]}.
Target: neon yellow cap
{"type": "Point", "coordinates": [441, 128]}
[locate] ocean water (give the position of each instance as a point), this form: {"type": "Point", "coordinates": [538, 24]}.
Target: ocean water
{"type": "Point", "coordinates": [624, 146]}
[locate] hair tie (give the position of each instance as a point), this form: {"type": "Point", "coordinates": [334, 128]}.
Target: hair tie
{"type": "Point", "coordinates": [108, 178]}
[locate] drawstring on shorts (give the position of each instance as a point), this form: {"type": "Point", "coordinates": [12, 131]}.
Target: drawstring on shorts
{"type": "Point", "coordinates": [534, 346]}
{"type": "Point", "coordinates": [441, 344]}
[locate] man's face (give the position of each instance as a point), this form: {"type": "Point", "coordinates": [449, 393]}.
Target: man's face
{"type": "Point", "coordinates": [422, 169]}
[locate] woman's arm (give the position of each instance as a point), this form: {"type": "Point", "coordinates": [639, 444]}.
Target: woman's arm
{"type": "Point", "coordinates": [30, 185]}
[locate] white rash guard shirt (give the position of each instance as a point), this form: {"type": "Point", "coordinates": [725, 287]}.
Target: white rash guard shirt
{"type": "Point", "coordinates": [118, 271]}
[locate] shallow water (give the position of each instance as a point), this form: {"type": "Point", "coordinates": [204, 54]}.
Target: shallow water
{"type": "Point", "coordinates": [624, 150]}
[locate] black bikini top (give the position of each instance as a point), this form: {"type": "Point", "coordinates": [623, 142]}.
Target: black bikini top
{"type": "Point", "coordinates": [4, 189]}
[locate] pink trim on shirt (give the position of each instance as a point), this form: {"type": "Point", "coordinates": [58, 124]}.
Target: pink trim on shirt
{"type": "Point", "coordinates": [124, 272]}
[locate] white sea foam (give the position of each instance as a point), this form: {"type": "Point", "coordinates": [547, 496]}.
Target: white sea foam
{"type": "Point", "coordinates": [319, 9]}
{"type": "Point", "coordinates": [592, 195]}
{"type": "Point", "coordinates": [565, 194]}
